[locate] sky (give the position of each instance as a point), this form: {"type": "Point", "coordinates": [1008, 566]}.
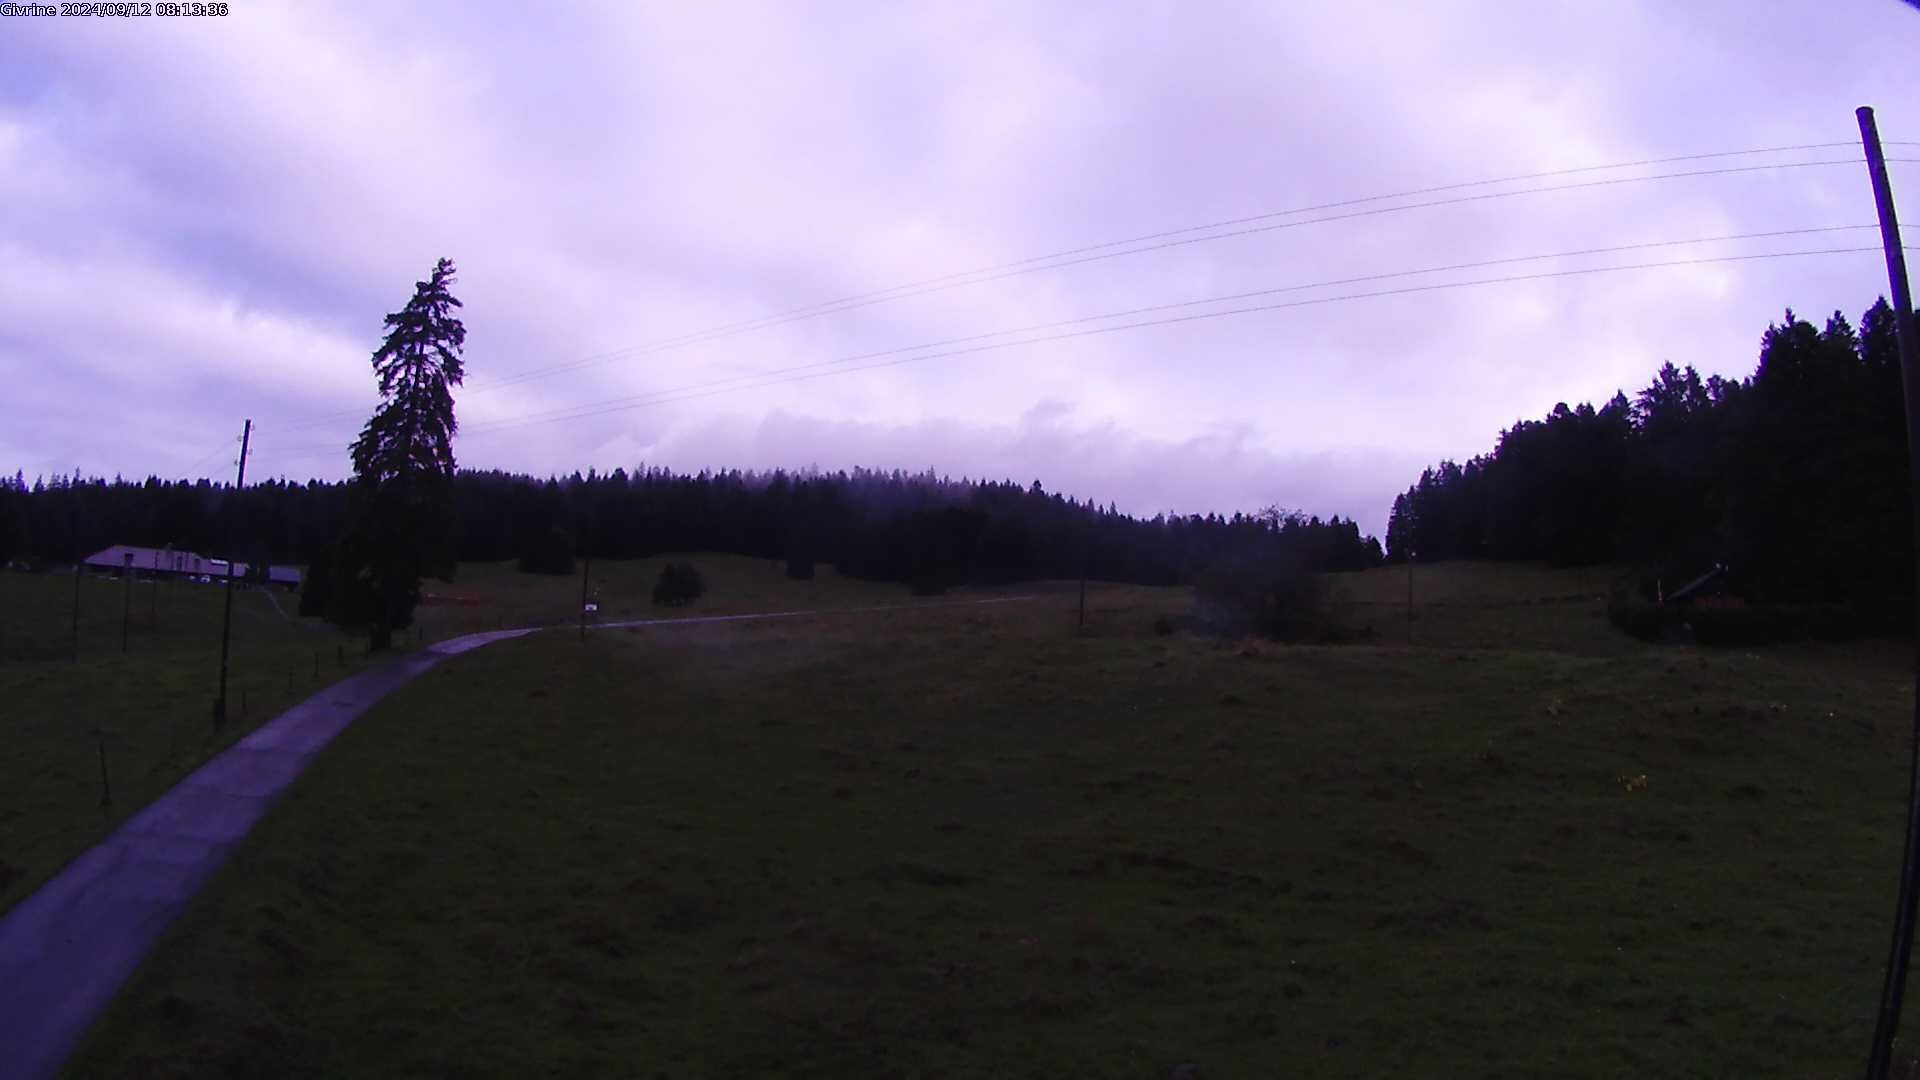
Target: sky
{"type": "Point", "coordinates": [653, 207]}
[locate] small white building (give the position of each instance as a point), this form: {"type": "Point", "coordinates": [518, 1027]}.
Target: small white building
{"type": "Point", "coordinates": [166, 562]}
{"type": "Point", "coordinates": [154, 562]}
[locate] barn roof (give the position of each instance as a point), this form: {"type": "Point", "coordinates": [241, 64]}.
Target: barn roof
{"type": "Point", "coordinates": [181, 562]}
{"type": "Point", "coordinates": [146, 558]}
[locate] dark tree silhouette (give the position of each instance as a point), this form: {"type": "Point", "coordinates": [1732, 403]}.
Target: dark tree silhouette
{"type": "Point", "coordinates": [878, 525]}
{"type": "Point", "coordinates": [551, 553]}
{"type": "Point", "coordinates": [1796, 476]}
{"type": "Point", "coordinates": [679, 584]}
{"type": "Point", "coordinates": [403, 466]}
{"type": "Point", "coordinates": [316, 587]}
{"type": "Point", "coordinates": [12, 515]}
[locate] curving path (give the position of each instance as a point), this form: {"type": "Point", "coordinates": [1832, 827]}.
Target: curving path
{"type": "Point", "coordinates": [66, 949]}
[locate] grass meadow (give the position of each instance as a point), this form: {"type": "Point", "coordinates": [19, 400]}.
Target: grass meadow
{"type": "Point", "coordinates": [965, 840]}
{"type": "Point", "coordinates": [151, 706]}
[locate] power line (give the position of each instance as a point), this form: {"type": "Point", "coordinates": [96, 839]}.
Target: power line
{"type": "Point", "coordinates": [802, 373]}
{"type": "Point", "coordinates": [834, 306]}
{"type": "Point", "coordinates": [1228, 298]}
{"type": "Point", "coordinates": [208, 456]}
{"type": "Point", "coordinates": [1172, 320]}
{"type": "Point", "coordinates": [1021, 270]}
{"type": "Point", "coordinates": [1099, 252]}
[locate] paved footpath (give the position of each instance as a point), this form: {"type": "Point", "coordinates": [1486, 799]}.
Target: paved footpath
{"type": "Point", "coordinates": [68, 947]}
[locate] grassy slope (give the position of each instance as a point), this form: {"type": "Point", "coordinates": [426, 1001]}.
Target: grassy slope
{"type": "Point", "coordinates": [501, 596]}
{"type": "Point", "coordinates": [1485, 605]}
{"type": "Point", "coordinates": [961, 841]}
{"type": "Point", "coordinates": [154, 702]}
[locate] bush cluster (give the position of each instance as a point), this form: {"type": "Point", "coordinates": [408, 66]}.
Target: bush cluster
{"type": "Point", "coordinates": [679, 585]}
{"type": "Point", "coordinates": [1265, 591]}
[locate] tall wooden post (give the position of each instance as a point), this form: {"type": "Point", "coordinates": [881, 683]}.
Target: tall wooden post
{"type": "Point", "coordinates": [1086, 556]}
{"type": "Point", "coordinates": [73, 526]}
{"type": "Point", "coordinates": [1409, 596]}
{"type": "Point", "coordinates": [76, 607]}
{"type": "Point", "coordinates": [586, 574]}
{"type": "Point", "coordinates": [226, 621]}
{"type": "Point", "coordinates": [1894, 989]}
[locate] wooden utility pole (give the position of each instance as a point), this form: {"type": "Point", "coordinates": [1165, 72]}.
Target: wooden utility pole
{"type": "Point", "coordinates": [76, 608]}
{"type": "Point", "coordinates": [73, 527]}
{"type": "Point", "coordinates": [226, 620]}
{"type": "Point", "coordinates": [586, 574]}
{"type": "Point", "coordinates": [1888, 1023]}
{"type": "Point", "coordinates": [153, 593]}
{"type": "Point", "coordinates": [1086, 556]}
{"type": "Point", "coordinates": [1409, 596]}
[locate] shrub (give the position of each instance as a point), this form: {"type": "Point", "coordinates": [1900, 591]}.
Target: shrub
{"type": "Point", "coordinates": [1265, 591]}
{"type": "Point", "coordinates": [1162, 625]}
{"type": "Point", "coordinates": [800, 568]}
{"type": "Point", "coordinates": [927, 584]}
{"type": "Point", "coordinates": [679, 585]}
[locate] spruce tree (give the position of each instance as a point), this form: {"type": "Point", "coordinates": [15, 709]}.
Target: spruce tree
{"type": "Point", "coordinates": [403, 465]}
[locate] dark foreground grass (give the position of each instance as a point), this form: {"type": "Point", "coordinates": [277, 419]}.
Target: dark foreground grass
{"type": "Point", "coordinates": [961, 841]}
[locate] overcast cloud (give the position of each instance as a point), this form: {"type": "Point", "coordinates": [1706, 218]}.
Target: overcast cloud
{"type": "Point", "coordinates": [205, 219]}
